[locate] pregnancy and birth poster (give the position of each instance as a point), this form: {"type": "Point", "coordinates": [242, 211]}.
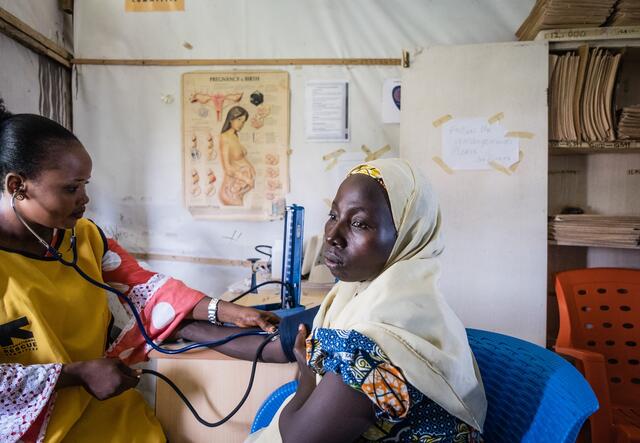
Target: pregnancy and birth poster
{"type": "Point", "coordinates": [235, 143]}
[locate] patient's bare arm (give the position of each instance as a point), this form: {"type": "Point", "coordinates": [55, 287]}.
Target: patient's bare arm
{"type": "Point", "coordinates": [243, 348]}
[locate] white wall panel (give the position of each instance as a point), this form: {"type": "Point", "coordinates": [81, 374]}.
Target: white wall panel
{"type": "Point", "coordinates": [134, 138]}
{"type": "Point", "coordinates": [494, 224]}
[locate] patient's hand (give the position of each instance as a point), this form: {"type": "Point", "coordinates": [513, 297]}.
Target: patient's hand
{"type": "Point", "coordinates": [300, 351]}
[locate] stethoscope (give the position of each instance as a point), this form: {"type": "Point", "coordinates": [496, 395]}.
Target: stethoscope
{"type": "Point", "coordinates": [53, 252]}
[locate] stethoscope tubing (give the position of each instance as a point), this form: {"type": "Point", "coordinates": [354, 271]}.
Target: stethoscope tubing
{"type": "Point", "coordinates": [74, 264]}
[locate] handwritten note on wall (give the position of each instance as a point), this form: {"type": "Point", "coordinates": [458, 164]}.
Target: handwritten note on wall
{"type": "Point", "coordinates": [472, 143]}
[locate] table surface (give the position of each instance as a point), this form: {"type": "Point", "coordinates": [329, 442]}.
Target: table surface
{"type": "Point", "coordinates": [215, 383]}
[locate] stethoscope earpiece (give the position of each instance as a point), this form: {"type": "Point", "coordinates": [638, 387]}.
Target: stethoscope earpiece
{"type": "Point", "coordinates": [18, 194]}
{"type": "Point", "coordinates": [50, 249]}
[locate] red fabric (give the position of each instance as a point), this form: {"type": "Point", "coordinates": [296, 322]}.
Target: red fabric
{"type": "Point", "coordinates": [31, 436]}
{"type": "Point", "coordinates": [162, 302]}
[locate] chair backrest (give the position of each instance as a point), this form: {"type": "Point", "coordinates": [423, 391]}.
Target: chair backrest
{"type": "Point", "coordinates": [271, 405]}
{"type": "Point", "coordinates": [600, 312]}
{"type": "Point", "coordinates": [533, 394]}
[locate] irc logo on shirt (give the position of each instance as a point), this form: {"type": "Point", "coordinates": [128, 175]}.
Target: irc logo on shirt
{"type": "Point", "coordinates": [15, 340]}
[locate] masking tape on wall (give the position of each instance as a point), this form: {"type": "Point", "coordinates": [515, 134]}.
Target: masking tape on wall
{"type": "Point", "coordinates": [520, 134]}
{"type": "Point", "coordinates": [496, 118]}
{"type": "Point", "coordinates": [377, 154]}
{"type": "Point", "coordinates": [514, 166]}
{"type": "Point", "coordinates": [442, 120]}
{"type": "Point", "coordinates": [334, 154]}
{"type": "Point", "coordinates": [331, 164]}
{"type": "Point", "coordinates": [443, 165]}
{"type": "Point", "coordinates": [498, 167]}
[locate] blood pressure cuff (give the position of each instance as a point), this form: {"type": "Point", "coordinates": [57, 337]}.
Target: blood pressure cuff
{"type": "Point", "coordinates": [289, 329]}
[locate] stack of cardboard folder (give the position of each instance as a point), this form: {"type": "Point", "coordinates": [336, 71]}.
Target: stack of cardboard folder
{"type": "Point", "coordinates": [626, 13]}
{"type": "Point", "coordinates": [595, 230]}
{"type": "Point", "coordinates": [563, 14]}
{"type": "Point", "coordinates": [581, 89]}
{"type": "Point", "coordinates": [629, 124]}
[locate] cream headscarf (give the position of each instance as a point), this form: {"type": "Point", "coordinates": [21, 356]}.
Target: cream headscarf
{"type": "Point", "coordinates": [402, 309]}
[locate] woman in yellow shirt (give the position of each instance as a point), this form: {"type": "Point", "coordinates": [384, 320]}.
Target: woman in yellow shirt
{"type": "Point", "coordinates": [62, 377]}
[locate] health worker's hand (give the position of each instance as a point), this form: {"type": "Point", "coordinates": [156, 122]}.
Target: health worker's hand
{"type": "Point", "coordinates": [246, 317]}
{"type": "Point", "coordinates": [103, 377]}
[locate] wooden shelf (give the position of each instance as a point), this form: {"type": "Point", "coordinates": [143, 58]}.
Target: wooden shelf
{"type": "Point", "coordinates": [587, 151]}
{"type": "Point", "coordinates": [581, 148]}
{"type": "Point", "coordinates": [590, 245]}
{"type": "Point", "coordinates": [600, 183]}
{"type": "Point", "coordinates": [616, 36]}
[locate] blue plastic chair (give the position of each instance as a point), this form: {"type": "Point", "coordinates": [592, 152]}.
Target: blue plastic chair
{"type": "Point", "coordinates": [271, 404]}
{"type": "Point", "coordinates": [533, 394]}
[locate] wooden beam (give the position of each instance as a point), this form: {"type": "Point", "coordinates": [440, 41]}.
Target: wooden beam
{"type": "Point", "coordinates": [239, 62]}
{"type": "Point", "coordinates": [188, 259]}
{"type": "Point", "coordinates": [32, 39]}
{"type": "Point", "coordinates": [66, 6]}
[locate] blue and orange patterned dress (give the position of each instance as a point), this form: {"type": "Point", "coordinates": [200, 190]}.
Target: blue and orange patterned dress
{"type": "Point", "coordinates": [403, 413]}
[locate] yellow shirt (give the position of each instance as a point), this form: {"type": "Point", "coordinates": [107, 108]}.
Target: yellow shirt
{"type": "Point", "coordinates": [67, 320]}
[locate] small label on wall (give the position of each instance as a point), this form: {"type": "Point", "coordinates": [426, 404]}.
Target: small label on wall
{"type": "Point", "coordinates": [153, 5]}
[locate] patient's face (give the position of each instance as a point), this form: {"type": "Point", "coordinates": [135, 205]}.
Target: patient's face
{"type": "Point", "coordinates": [360, 233]}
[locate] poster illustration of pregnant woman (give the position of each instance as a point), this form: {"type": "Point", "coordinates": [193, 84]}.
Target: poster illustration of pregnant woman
{"type": "Point", "coordinates": [243, 120]}
{"type": "Point", "coordinates": [239, 173]}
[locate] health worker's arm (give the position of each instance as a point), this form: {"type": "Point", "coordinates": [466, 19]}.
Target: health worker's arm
{"type": "Point", "coordinates": [163, 303]}
{"type": "Point", "coordinates": [26, 392]}
{"type": "Point", "coordinates": [242, 316]}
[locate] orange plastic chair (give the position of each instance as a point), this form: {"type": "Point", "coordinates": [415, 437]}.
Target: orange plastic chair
{"type": "Point", "coordinates": [600, 329]}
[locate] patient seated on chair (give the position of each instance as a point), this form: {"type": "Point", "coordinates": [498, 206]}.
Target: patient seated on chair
{"type": "Point", "coordinates": [385, 359]}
